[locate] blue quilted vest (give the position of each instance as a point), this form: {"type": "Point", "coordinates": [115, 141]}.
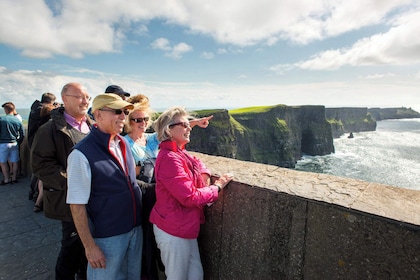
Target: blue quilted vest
{"type": "Point", "coordinates": [114, 205]}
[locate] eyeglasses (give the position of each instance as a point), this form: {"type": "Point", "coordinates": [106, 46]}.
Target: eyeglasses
{"type": "Point", "coordinates": [139, 120]}
{"type": "Point", "coordinates": [88, 98]}
{"type": "Point", "coordinates": [116, 111]}
{"type": "Point", "coordinates": [184, 124]}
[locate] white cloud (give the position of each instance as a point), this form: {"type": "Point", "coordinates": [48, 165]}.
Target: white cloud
{"type": "Point", "coordinates": [222, 51]}
{"type": "Point", "coordinates": [76, 28]}
{"type": "Point", "coordinates": [174, 52]}
{"type": "Point", "coordinates": [32, 27]}
{"type": "Point", "coordinates": [161, 44]}
{"type": "Point", "coordinates": [141, 30]}
{"type": "Point", "coordinates": [398, 46]}
{"type": "Point", "coordinates": [280, 69]}
{"type": "Point", "coordinates": [178, 50]}
{"type": "Point", "coordinates": [272, 41]}
{"type": "Point", "coordinates": [378, 76]}
{"type": "Point", "coordinates": [343, 16]}
{"type": "Point", "coordinates": [207, 55]}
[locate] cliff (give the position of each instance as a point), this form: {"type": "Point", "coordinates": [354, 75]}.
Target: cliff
{"type": "Point", "coordinates": [277, 135]}
{"type": "Point", "coordinates": [393, 113]}
{"type": "Point", "coordinates": [348, 119]}
{"type": "Point", "coordinates": [280, 134]}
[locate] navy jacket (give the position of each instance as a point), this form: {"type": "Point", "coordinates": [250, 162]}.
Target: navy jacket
{"type": "Point", "coordinates": [114, 205]}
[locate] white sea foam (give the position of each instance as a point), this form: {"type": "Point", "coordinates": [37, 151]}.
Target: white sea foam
{"type": "Point", "coordinates": [390, 155]}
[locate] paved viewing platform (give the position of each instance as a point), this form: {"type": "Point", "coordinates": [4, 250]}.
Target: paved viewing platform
{"type": "Point", "coordinates": [29, 242]}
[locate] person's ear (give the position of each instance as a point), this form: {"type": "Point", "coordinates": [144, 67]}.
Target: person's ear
{"type": "Point", "coordinates": [97, 115]}
{"type": "Point", "coordinates": [168, 133]}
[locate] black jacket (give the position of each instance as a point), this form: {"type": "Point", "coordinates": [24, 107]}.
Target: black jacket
{"type": "Point", "coordinates": [34, 120]}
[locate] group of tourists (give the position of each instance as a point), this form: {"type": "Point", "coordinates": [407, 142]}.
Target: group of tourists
{"type": "Point", "coordinates": [129, 196]}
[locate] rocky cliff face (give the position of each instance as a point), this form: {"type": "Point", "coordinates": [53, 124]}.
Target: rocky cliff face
{"type": "Point", "coordinates": [218, 138]}
{"type": "Point", "coordinates": [393, 113]}
{"type": "Point", "coordinates": [346, 120]}
{"type": "Point", "coordinates": [276, 135]}
{"type": "Point", "coordinates": [317, 138]}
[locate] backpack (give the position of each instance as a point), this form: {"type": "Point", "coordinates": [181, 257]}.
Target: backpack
{"type": "Point", "coordinates": [147, 171]}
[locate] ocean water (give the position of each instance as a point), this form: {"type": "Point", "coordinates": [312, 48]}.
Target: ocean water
{"type": "Point", "coordinates": [390, 155]}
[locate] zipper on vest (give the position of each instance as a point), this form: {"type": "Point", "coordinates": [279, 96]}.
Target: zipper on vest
{"type": "Point", "coordinates": [133, 197]}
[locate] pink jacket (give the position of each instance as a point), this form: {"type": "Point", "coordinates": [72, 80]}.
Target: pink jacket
{"type": "Point", "coordinates": [180, 192]}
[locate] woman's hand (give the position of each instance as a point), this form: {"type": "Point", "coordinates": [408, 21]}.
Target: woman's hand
{"type": "Point", "coordinates": [202, 122]}
{"type": "Point", "coordinates": [223, 180]}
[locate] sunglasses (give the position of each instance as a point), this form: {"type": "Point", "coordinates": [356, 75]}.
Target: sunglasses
{"type": "Point", "coordinates": [139, 120]}
{"type": "Point", "coordinates": [184, 124]}
{"type": "Point", "coordinates": [116, 111]}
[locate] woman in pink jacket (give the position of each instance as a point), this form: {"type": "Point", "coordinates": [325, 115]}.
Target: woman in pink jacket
{"type": "Point", "coordinates": [182, 189]}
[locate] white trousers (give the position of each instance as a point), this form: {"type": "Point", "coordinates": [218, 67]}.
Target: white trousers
{"type": "Point", "coordinates": [180, 256]}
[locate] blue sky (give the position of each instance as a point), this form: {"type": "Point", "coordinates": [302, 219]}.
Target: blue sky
{"type": "Point", "coordinates": [215, 53]}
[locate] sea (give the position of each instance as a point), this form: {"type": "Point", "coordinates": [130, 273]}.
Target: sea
{"type": "Point", "coordinates": [390, 155]}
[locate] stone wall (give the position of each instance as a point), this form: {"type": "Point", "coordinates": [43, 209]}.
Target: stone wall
{"type": "Point", "coordinates": [277, 223]}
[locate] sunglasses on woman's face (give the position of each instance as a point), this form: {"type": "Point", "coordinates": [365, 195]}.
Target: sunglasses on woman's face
{"type": "Point", "coordinates": [184, 124]}
{"type": "Point", "coordinates": [139, 120]}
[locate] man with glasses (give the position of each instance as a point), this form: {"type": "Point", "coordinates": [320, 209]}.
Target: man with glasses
{"type": "Point", "coordinates": [104, 197]}
{"type": "Point", "coordinates": [52, 144]}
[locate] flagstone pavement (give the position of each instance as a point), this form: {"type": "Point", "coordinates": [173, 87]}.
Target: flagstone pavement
{"type": "Point", "coordinates": [29, 242]}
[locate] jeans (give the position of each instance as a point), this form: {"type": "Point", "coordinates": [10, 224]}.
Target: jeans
{"type": "Point", "coordinates": [72, 260]}
{"type": "Point", "coordinates": [180, 256]}
{"type": "Point", "coordinates": [123, 256]}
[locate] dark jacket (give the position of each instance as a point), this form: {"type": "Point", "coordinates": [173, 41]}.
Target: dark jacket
{"type": "Point", "coordinates": [115, 199]}
{"type": "Point", "coordinates": [49, 151]}
{"type": "Point", "coordinates": [34, 120]}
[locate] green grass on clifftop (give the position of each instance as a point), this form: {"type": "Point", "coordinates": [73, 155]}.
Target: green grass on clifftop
{"type": "Point", "coordinates": [255, 109]}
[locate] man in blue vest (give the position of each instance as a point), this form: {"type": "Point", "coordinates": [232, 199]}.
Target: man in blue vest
{"type": "Point", "coordinates": [103, 194]}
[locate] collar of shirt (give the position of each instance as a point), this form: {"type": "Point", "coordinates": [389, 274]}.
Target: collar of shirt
{"type": "Point", "coordinates": [114, 146]}
{"type": "Point", "coordinates": [82, 126]}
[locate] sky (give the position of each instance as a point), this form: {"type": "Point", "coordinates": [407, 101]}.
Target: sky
{"type": "Point", "coordinates": [215, 54]}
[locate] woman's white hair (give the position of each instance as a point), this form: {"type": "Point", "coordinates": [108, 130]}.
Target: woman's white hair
{"type": "Point", "coordinates": [161, 125]}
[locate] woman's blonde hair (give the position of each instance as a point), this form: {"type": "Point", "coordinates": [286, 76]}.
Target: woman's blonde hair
{"type": "Point", "coordinates": [141, 103]}
{"type": "Point", "coordinates": [139, 98]}
{"type": "Point", "coordinates": [161, 125]}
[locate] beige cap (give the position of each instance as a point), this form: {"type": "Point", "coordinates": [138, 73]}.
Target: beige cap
{"type": "Point", "coordinates": [110, 100]}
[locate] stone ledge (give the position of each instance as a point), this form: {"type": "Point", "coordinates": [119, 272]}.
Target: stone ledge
{"type": "Point", "coordinates": [391, 202]}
